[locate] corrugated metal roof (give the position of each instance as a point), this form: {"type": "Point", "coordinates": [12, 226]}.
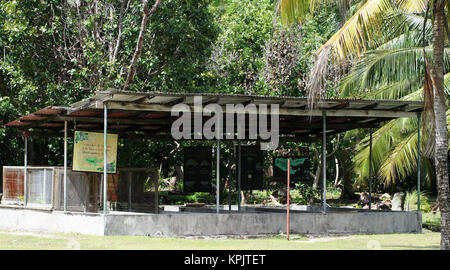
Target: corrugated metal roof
{"type": "Point", "coordinates": [150, 112]}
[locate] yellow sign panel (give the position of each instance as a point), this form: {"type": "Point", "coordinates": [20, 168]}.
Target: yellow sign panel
{"type": "Point", "coordinates": [88, 152]}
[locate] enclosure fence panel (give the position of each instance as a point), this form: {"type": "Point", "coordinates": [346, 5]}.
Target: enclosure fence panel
{"type": "Point", "coordinates": [13, 184]}
{"type": "Point", "coordinates": [82, 191]}
{"type": "Point", "coordinates": [133, 189]}
{"type": "Point", "coordinates": [40, 186]}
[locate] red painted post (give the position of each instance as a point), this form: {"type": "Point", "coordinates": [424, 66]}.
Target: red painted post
{"type": "Point", "coordinates": [288, 196]}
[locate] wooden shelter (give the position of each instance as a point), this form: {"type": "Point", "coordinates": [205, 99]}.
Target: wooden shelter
{"type": "Point", "coordinates": [148, 115]}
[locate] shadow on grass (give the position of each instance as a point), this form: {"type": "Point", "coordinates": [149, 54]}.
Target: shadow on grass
{"type": "Point", "coordinates": [431, 227]}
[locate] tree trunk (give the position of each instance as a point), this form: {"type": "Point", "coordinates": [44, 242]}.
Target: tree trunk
{"type": "Point", "coordinates": [336, 179]}
{"type": "Point", "coordinates": [348, 193]}
{"type": "Point", "coordinates": [441, 148]}
{"type": "Point", "coordinates": [140, 42]}
{"type": "Point", "coordinates": [343, 8]}
{"type": "Point", "coordinates": [243, 198]}
{"type": "Point", "coordinates": [177, 178]}
{"type": "Point", "coordinates": [316, 177]}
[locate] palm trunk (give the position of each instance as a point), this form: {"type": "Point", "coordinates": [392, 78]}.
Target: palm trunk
{"type": "Point", "coordinates": [441, 155]}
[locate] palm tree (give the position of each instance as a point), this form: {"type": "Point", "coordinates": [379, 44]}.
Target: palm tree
{"type": "Point", "coordinates": [365, 31]}
{"type": "Point", "coordinates": [391, 71]}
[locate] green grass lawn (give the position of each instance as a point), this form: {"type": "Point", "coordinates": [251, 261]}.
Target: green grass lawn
{"type": "Point", "coordinates": [26, 240]}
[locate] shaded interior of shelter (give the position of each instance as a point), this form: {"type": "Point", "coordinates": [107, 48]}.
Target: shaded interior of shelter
{"type": "Point", "coordinates": [157, 125]}
{"type": "Point", "coordinates": [148, 116]}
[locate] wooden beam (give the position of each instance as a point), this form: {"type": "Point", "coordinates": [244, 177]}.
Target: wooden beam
{"type": "Point", "coordinates": [400, 107]}
{"type": "Point", "coordinates": [140, 99]}
{"type": "Point", "coordinates": [250, 101]}
{"type": "Point", "coordinates": [370, 106]}
{"type": "Point", "coordinates": [175, 101]}
{"type": "Point", "coordinates": [168, 137]}
{"type": "Point", "coordinates": [282, 111]}
{"type": "Point", "coordinates": [124, 121]}
{"type": "Point", "coordinates": [339, 106]}
{"type": "Point", "coordinates": [346, 126]}
{"type": "Point", "coordinates": [211, 100]}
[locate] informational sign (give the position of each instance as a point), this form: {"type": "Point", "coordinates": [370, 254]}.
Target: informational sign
{"type": "Point", "coordinates": [197, 169]}
{"type": "Point", "coordinates": [252, 168]}
{"type": "Point", "coordinates": [299, 168]}
{"type": "Point", "coordinates": [88, 152]}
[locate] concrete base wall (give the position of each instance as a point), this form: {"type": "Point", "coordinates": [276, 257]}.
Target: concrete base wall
{"type": "Point", "coordinates": [50, 221]}
{"type": "Point", "coordinates": [199, 224]}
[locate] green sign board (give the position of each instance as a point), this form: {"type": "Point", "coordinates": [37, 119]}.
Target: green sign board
{"type": "Point", "coordinates": [299, 168]}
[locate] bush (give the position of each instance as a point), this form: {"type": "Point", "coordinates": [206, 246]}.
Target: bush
{"type": "Point", "coordinates": [411, 201]}
{"type": "Point", "coordinates": [305, 193]}
{"type": "Point", "coordinates": [180, 199]}
{"type": "Point", "coordinates": [258, 197]}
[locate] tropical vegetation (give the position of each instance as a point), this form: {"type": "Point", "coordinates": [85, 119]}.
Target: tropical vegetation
{"type": "Point", "coordinates": [392, 53]}
{"type": "Point", "coordinates": [58, 52]}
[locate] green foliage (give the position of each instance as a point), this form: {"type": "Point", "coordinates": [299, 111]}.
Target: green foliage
{"type": "Point", "coordinates": [394, 149]}
{"type": "Point", "coordinates": [81, 136]}
{"type": "Point", "coordinates": [238, 56]}
{"type": "Point", "coordinates": [394, 70]}
{"type": "Point", "coordinates": [254, 55]}
{"type": "Point", "coordinates": [59, 52]}
{"type": "Point", "coordinates": [332, 191]}
{"type": "Point", "coordinates": [9, 141]}
{"type": "Point", "coordinates": [183, 32]}
{"type": "Point", "coordinates": [306, 193]}
{"type": "Point", "coordinates": [411, 201]}
{"type": "Point", "coordinates": [432, 221]}
{"type": "Point", "coordinates": [258, 197]}
{"type": "Point", "coordinates": [181, 199]}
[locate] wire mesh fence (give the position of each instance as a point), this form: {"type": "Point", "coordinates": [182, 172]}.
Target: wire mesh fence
{"type": "Point", "coordinates": [130, 189]}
